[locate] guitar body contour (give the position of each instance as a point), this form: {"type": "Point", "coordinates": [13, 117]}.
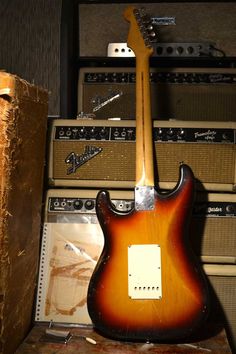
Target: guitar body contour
{"type": "Point", "coordinates": [183, 303]}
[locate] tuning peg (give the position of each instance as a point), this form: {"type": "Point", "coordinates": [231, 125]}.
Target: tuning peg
{"type": "Point", "coordinates": [142, 11]}
{"type": "Point", "coordinates": [136, 13]}
{"type": "Point", "coordinates": [150, 27]}
{"type": "Point", "coordinates": [141, 14]}
{"type": "Point", "coordinates": [152, 34]}
{"type": "Point", "coordinates": [145, 25]}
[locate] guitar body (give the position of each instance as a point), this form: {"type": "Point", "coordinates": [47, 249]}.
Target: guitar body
{"type": "Point", "coordinates": [182, 305]}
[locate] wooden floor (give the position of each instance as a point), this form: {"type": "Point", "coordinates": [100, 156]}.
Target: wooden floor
{"type": "Point", "coordinates": [215, 342]}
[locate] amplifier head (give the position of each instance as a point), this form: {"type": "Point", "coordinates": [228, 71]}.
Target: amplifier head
{"type": "Point", "coordinates": [101, 153]}
{"type": "Point", "coordinates": [213, 21]}
{"type": "Point", "coordinates": [204, 94]}
{"type": "Point", "coordinates": [71, 244]}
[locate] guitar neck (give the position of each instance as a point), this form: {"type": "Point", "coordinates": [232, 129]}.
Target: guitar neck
{"type": "Point", "coordinates": [144, 144]}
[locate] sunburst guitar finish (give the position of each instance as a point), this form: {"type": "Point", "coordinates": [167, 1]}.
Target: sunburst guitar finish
{"type": "Point", "coordinates": [183, 303]}
{"type": "Point", "coordinates": [147, 285]}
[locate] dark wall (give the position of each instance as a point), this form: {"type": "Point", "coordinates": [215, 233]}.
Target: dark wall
{"type": "Point", "coordinates": [32, 47]}
{"type": "Point", "coordinates": [30, 43]}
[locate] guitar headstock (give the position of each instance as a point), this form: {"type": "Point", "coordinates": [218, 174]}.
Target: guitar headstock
{"type": "Point", "coordinates": [141, 32]}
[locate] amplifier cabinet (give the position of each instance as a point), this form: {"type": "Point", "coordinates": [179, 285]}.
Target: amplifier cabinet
{"type": "Point", "coordinates": [101, 153]}
{"type": "Point", "coordinates": [72, 242]}
{"type": "Point", "coordinates": [222, 281]}
{"type": "Point", "coordinates": [213, 21]}
{"type": "Point", "coordinates": [204, 94]}
{"type": "Point", "coordinates": [212, 227]}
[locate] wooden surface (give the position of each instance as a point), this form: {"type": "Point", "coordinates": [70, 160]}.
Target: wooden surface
{"type": "Point", "coordinates": [215, 342]}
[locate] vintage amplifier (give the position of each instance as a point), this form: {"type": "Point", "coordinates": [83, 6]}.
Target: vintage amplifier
{"type": "Point", "coordinates": [72, 241]}
{"type": "Point", "coordinates": [213, 21]}
{"type": "Point", "coordinates": [101, 153]}
{"type": "Point", "coordinates": [203, 94]}
{"type": "Point", "coordinates": [222, 281]}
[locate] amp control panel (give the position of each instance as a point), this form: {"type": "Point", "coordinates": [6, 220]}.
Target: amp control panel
{"type": "Point", "coordinates": [83, 205]}
{"type": "Point", "coordinates": [128, 133]}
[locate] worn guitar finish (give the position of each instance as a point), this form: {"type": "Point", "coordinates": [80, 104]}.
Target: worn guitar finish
{"type": "Point", "coordinates": [174, 299]}
{"type": "Point", "coordinates": [183, 304]}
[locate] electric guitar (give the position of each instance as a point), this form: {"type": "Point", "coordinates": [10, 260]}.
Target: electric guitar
{"type": "Point", "coordinates": [147, 284]}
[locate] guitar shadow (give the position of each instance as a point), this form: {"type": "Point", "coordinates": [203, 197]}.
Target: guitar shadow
{"type": "Point", "coordinates": [217, 319]}
{"type": "Point", "coordinates": [161, 96]}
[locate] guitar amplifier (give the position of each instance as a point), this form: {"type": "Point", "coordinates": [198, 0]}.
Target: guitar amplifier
{"type": "Point", "coordinates": [222, 281]}
{"type": "Point", "coordinates": [101, 153]}
{"type": "Point", "coordinates": [72, 241]}
{"type": "Point", "coordinates": [204, 94]}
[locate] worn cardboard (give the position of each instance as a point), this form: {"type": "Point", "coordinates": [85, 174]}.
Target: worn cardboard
{"type": "Point", "coordinates": [23, 122]}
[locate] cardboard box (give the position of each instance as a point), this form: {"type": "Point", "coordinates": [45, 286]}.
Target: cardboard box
{"type": "Point", "coordinates": [23, 123]}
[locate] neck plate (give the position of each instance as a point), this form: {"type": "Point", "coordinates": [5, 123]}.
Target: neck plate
{"type": "Point", "coordinates": [144, 198]}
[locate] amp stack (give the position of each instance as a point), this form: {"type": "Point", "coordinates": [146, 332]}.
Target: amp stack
{"type": "Point", "coordinates": [194, 114]}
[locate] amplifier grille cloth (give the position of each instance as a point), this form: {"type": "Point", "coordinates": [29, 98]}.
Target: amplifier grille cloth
{"type": "Point", "coordinates": [216, 231]}
{"type": "Point", "coordinates": [225, 292]}
{"type": "Point", "coordinates": [117, 161]}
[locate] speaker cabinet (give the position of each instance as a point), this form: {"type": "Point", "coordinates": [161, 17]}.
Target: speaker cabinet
{"type": "Point", "coordinates": [204, 94]}
{"type": "Point", "coordinates": [222, 280]}
{"type": "Point", "coordinates": [213, 227]}
{"type": "Point", "coordinates": [30, 44]}
{"type": "Point", "coordinates": [101, 153]}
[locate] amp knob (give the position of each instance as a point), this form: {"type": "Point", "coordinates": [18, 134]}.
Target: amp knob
{"type": "Point", "coordinates": [170, 132]}
{"type": "Point", "coordinates": [230, 208]}
{"type": "Point", "coordinates": [92, 133]}
{"type": "Point", "coordinates": [78, 204]}
{"type": "Point", "coordinates": [225, 136]}
{"type": "Point", "coordinates": [160, 132]}
{"type": "Point", "coordinates": [82, 133]}
{"type": "Point", "coordinates": [89, 204]}
{"type": "Point", "coordinates": [103, 133]}
{"type": "Point", "coordinates": [181, 133]}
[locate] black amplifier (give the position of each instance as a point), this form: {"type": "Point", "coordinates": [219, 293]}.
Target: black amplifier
{"type": "Point", "coordinates": [204, 94]}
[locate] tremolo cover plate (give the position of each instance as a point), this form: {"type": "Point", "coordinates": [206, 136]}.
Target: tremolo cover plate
{"type": "Point", "coordinates": [144, 271]}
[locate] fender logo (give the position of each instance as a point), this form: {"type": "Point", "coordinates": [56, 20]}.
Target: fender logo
{"type": "Point", "coordinates": [207, 135]}
{"type": "Point", "coordinates": [214, 210]}
{"type": "Point", "coordinates": [100, 102]}
{"type": "Point", "coordinates": [78, 160]}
